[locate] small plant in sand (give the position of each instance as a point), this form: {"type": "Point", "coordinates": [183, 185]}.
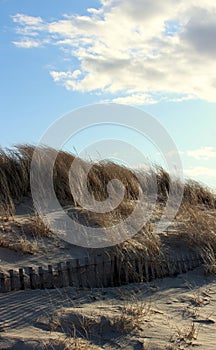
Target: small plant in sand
{"type": "Point", "coordinates": [66, 343]}
{"type": "Point", "coordinates": [199, 297]}
{"type": "Point", "coordinates": [75, 330]}
{"type": "Point", "coordinates": [36, 227]}
{"type": "Point", "coordinates": [18, 243]}
{"type": "Point", "coordinates": [132, 316]}
{"type": "Point", "coordinates": [22, 235]}
{"type": "Point", "coordinates": [184, 337]}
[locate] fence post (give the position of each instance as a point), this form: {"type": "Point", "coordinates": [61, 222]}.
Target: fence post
{"type": "Point", "coordinates": [87, 282]}
{"type": "Point", "coordinates": [115, 272]}
{"type": "Point", "coordinates": [41, 276]}
{"type": "Point", "coordinates": [12, 286]}
{"type": "Point", "coordinates": [199, 259]}
{"type": "Point", "coordinates": [184, 264]}
{"type": "Point", "coordinates": [196, 260]}
{"type": "Point", "coordinates": [169, 268]}
{"type": "Point", "coordinates": [60, 276]}
{"type": "Point", "coordinates": [133, 277]}
{"type": "Point", "coordinates": [163, 266]}
{"type": "Point", "coordinates": [193, 260]}
{"type": "Point", "coordinates": [188, 257]}
{"type": "Point", "coordinates": [78, 273]}
{"type": "Point", "coordinates": [118, 270]}
{"type": "Point", "coordinates": [139, 269]}
{"type": "Point", "coordinates": [21, 278]}
{"type": "Point", "coordinates": [69, 273]}
{"type": "Point", "coordinates": [2, 283]}
{"type": "Point", "coordinates": [146, 269]}
{"type": "Point", "coordinates": [32, 278]}
{"type": "Point", "coordinates": [51, 277]}
{"type": "Point", "coordinates": [179, 265]}
{"type": "Point", "coordinates": [157, 268]}
{"type": "Point", "coordinates": [126, 269]}
{"type": "Point", "coordinates": [174, 264]}
{"type": "Point", "coordinates": [112, 271]}
{"type": "Point", "coordinates": [104, 272]}
{"type": "Point", "coordinates": [152, 269]}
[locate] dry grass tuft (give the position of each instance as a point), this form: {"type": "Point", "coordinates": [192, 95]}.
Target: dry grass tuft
{"type": "Point", "coordinates": [196, 193]}
{"type": "Point", "coordinates": [36, 227]}
{"type": "Point", "coordinates": [209, 258]}
{"type": "Point", "coordinates": [146, 242]}
{"type": "Point", "coordinates": [14, 176]}
{"type": "Point", "coordinates": [132, 316]}
{"type": "Point", "coordinates": [22, 235]}
{"type": "Point", "coordinates": [197, 227]}
{"type": "Point", "coordinates": [18, 243]}
{"type": "Point", "coordinates": [184, 338]}
{"type": "Point", "coordinates": [68, 343]}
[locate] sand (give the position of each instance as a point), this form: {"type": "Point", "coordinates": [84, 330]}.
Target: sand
{"type": "Point", "coordinates": [173, 313]}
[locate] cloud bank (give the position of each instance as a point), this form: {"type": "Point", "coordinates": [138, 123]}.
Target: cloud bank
{"type": "Point", "coordinates": [136, 51]}
{"type": "Point", "coordinates": [201, 171]}
{"type": "Point", "coordinates": [204, 153]}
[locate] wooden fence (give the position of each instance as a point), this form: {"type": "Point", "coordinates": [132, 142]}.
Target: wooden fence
{"type": "Point", "coordinates": [98, 272]}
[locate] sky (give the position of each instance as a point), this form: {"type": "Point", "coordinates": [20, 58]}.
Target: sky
{"type": "Point", "coordinates": [158, 56]}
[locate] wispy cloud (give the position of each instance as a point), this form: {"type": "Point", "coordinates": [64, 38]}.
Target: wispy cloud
{"type": "Point", "coordinates": [200, 171]}
{"type": "Point", "coordinates": [137, 49]}
{"type": "Point", "coordinates": [27, 44]}
{"type": "Point", "coordinates": [135, 99]}
{"type": "Point", "coordinates": [66, 76]}
{"type": "Point", "coordinates": [27, 20]}
{"type": "Point", "coordinates": [204, 153]}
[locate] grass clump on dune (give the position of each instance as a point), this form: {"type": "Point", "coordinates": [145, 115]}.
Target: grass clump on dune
{"type": "Point", "coordinates": [15, 178]}
{"type": "Point", "coordinates": [15, 165]}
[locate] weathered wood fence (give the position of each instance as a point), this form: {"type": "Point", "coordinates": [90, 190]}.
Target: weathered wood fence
{"type": "Point", "coordinates": [99, 272]}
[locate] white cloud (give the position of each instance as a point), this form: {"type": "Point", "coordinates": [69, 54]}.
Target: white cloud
{"type": "Point", "coordinates": [124, 48]}
{"type": "Point", "coordinates": [135, 99]}
{"type": "Point", "coordinates": [26, 44]}
{"type": "Point", "coordinates": [204, 153]}
{"type": "Point", "coordinates": [59, 76]}
{"type": "Point", "coordinates": [200, 171]}
{"type": "Point", "coordinates": [27, 20]}
{"type": "Point", "coordinates": [182, 98]}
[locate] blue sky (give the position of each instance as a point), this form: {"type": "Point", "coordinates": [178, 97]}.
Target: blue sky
{"type": "Point", "coordinates": [158, 56]}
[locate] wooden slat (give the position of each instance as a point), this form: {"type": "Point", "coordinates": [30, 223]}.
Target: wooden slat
{"type": "Point", "coordinates": [41, 277]}
{"type": "Point", "coordinates": [22, 279]}
{"type": "Point", "coordinates": [51, 283]}
{"type": "Point", "coordinates": [32, 278]}
{"type": "Point", "coordinates": [2, 283]}
{"type": "Point", "coordinates": [79, 277]}
{"type": "Point", "coordinates": [69, 273]}
{"type": "Point", "coordinates": [60, 275]}
{"type": "Point", "coordinates": [12, 280]}
{"type": "Point", "coordinates": [146, 270]}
